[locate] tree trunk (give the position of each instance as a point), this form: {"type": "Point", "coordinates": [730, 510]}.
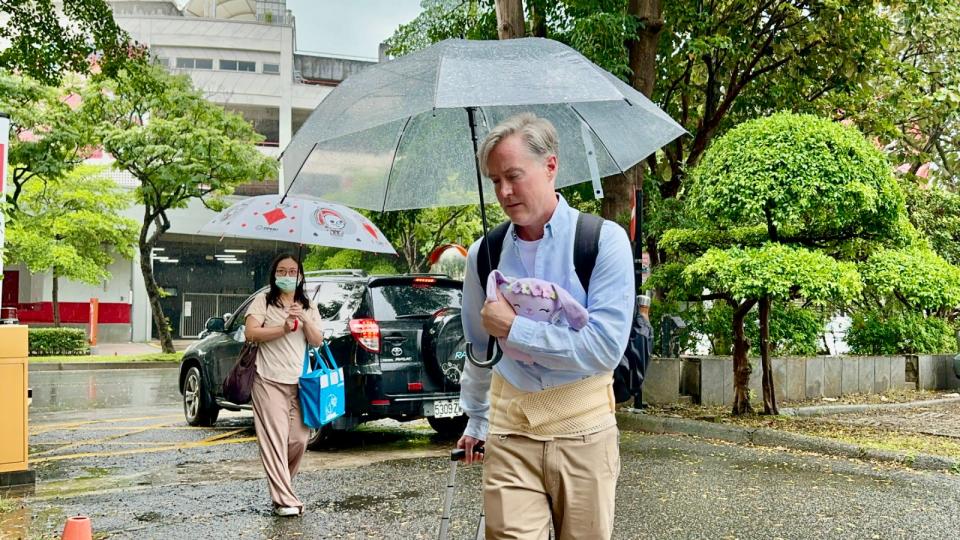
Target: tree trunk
{"type": "Point", "coordinates": [642, 50]}
{"type": "Point", "coordinates": [510, 23]}
{"type": "Point", "coordinates": [617, 193]}
{"type": "Point", "coordinates": [741, 364]}
{"type": "Point", "coordinates": [56, 300]}
{"type": "Point", "coordinates": [769, 393]}
{"type": "Point", "coordinates": [153, 290]}
{"type": "Point", "coordinates": [643, 47]}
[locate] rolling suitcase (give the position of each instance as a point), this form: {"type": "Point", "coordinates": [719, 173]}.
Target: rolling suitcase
{"type": "Point", "coordinates": [455, 456]}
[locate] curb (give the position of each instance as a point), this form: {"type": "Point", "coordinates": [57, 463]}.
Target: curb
{"type": "Point", "coordinates": [770, 437]}
{"type": "Point", "coordinates": [819, 410]}
{"type": "Point", "coordinates": [86, 366]}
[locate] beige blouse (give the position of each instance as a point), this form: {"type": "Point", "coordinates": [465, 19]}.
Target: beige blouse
{"type": "Point", "coordinates": [281, 360]}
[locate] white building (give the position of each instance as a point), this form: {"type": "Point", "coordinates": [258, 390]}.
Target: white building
{"type": "Point", "coordinates": [242, 54]}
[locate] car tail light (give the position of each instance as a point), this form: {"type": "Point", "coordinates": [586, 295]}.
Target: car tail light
{"type": "Point", "coordinates": [415, 387]}
{"type": "Point", "coordinates": [380, 402]}
{"type": "Point", "coordinates": [423, 282]}
{"type": "Point", "coordinates": [440, 312]}
{"type": "Point", "coordinates": [367, 334]}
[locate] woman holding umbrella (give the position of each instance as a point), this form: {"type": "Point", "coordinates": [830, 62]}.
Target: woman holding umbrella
{"type": "Point", "coordinates": [282, 320]}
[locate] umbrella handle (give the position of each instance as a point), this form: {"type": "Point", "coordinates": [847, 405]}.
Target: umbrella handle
{"type": "Point", "coordinates": [494, 354]}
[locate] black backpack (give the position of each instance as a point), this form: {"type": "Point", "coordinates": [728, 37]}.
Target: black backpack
{"type": "Point", "coordinates": [629, 374]}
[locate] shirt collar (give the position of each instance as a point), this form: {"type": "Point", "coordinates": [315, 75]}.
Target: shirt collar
{"type": "Point", "coordinates": [559, 221]}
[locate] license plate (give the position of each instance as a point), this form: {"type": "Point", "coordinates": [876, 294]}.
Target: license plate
{"type": "Point", "coordinates": [446, 409]}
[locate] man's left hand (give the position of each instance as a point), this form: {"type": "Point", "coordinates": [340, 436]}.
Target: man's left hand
{"type": "Point", "coordinates": [497, 316]}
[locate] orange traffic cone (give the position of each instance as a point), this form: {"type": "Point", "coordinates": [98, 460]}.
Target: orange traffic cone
{"type": "Point", "coordinates": [77, 528]}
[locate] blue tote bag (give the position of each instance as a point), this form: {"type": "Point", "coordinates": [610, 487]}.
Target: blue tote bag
{"type": "Point", "coordinates": [322, 396]}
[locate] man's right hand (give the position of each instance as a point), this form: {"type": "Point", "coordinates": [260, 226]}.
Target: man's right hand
{"type": "Point", "coordinates": [469, 444]}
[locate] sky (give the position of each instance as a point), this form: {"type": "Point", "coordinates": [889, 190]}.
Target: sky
{"type": "Point", "coordinates": [351, 28]}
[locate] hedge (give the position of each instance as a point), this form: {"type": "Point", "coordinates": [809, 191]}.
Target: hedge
{"type": "Point", "coordinates": [58, 341]}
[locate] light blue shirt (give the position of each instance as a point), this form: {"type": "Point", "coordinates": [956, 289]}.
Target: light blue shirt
{"type": "Point", "coordinates": [561, 355]}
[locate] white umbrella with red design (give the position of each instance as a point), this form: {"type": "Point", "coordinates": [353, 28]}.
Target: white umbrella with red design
{"type": "Point", "coordinates": [298, 220]}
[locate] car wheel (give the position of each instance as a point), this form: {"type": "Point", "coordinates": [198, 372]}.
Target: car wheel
{"type": "Point", "coordinates": [449, 427]}
{"type": "Point", "coordinates": [197, 406]}
{"type": "Point", "coordinates": [320, 438]}
{"type": "Point", "coordinates": [444, 349]}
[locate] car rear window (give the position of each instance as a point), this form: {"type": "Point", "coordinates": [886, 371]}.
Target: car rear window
{"type": "Point", "coordinates": [335, 299]}
{"type": "Point", "coordinates": [406, 300]}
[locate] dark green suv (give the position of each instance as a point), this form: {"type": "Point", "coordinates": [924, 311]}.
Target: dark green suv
{"type": "Point", "coordinates": [398, 339]}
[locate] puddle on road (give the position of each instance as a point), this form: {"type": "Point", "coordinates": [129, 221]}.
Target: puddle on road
{"type": "Point", "coordinates": [20, 524]}
{"type": "Point", "coordinates": [103, 388]}
{"type": "Point", "coordinates": [361, 502]}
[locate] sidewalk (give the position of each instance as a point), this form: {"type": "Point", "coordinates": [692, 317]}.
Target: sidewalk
{"type": "Point", "coordinates": [123, 349]}
{"type": "Point", "coordinates": [921, 434]}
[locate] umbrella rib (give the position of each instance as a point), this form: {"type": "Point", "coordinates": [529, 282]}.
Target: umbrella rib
{"type": "Point", "coordinates": [386, 189]}
{"type": "Point", "coordinates": [605, 149]}
{"type": "Point", "coordinates": [297, 174]}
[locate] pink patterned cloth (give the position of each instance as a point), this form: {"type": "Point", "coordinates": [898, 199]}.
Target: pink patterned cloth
{"type": "Point", "coordinates": [535, 299]}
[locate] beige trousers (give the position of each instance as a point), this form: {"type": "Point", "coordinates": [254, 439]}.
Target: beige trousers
{"type": "Point", "coordinates": [281, 436]}
{"type": "Point", "coordinates": [571, 482]}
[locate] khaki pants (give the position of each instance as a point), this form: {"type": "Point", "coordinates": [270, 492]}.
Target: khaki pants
{"type": "Point", "coordinates": [571, 482]}
{"type": "Point", "coordinates": [281, 436]}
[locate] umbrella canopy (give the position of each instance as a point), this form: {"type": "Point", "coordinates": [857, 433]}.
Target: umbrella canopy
{"type": "Point", "coordinates": [397, 136]}
{"type": "Point", "coordinates": [303, 221]}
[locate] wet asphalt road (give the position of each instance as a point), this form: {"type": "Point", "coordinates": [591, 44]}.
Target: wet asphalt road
{"type": "Point", "coordinates": [139, 472]}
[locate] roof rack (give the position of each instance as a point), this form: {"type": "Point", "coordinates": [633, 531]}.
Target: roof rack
{"type": "Point", "coordinates": [338, 272]}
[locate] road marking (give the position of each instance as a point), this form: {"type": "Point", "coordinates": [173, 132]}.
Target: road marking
{"type": "Point", "coordinates": [181, 446]}
{"type": "Point", "coordinates": [44, 428]}
{"type": "Point", "coordinates": [90, 442]}
{"type": "Point", "coordinates": [224, 435]}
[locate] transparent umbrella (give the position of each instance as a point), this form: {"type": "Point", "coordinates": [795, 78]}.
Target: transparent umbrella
{"type": "Point", "coordinates": [402, 134]}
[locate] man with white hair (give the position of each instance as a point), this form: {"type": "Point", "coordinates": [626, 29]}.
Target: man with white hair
{"type": "Point", "coordinates": [551, 444]}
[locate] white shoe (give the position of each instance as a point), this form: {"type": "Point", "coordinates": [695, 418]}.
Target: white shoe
{"type": "Point", "coordinates": [286, 511]}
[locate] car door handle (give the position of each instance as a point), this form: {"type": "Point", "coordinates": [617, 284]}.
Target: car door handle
{"type": "Point", "coordinates": [395, 339]}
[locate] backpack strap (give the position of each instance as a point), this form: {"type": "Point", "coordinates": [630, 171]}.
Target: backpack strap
{"type": "Point", "coordinates": [495, 240]}
{"type": "Point", "coordinates": [586, 245]}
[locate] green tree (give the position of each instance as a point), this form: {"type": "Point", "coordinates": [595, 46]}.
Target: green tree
{"type": "Point", "coordinates": [46, 42]}
{"type": "Point", "coordinates": [935, 212]}
{"type": "Point", "coordinates": [71, 227]}
{"type": "Point", "coordinates": [48, 136]}
{"type": "Point", "coordinates": [909, 305]}
{"type": "Point", "coordinates": [915, 110]}
{"type": "Point", "coordinates": [178, 146]}
{"type": "Point", "coordinates": [780, 208]}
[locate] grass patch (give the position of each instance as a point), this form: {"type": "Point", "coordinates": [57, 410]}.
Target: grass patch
{"type": "Point", "coordinates": [149, 357]}
{"type": "Point", "coordinates": [869, 437]}
{"type": "Point", "coordinates": [7, 505]}
{"type": "Point", "coordinates": [722, 412]}
{"type": "Point", "coordinates": [880, 438]}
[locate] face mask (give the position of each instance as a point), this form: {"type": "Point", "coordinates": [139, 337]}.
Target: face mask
{"type": "Point", "coordinates": [287, 283]}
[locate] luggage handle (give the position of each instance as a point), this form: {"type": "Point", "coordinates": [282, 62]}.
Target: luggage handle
{"type": "Point", "coordinates": [457, 454]}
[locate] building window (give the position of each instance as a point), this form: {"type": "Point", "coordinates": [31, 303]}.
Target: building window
{"type": "Point", "coordinates": [273, 69]}
{"type": "Point", "coordinates": [238, 65]}
{"type": "Point", "coordinates": [160, 61]}
{"type": "Point", "coordinates": [194, 63]}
